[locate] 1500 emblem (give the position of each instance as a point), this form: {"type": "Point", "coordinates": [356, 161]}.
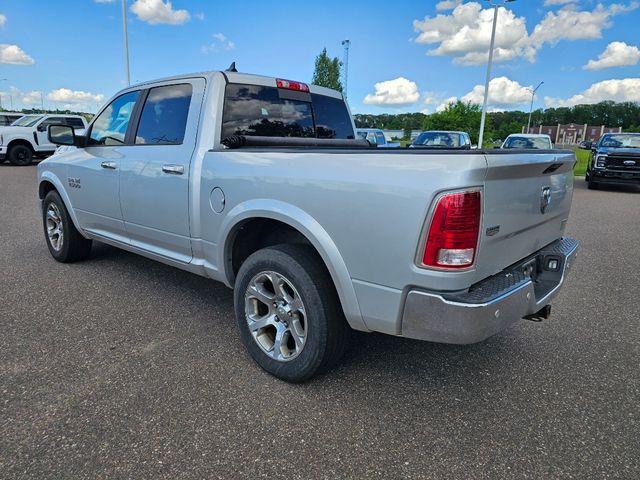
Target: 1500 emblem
{"type": "Point", "coordinates": [545, 199]}
{"type": "Point", "coordinates": [74, 182]}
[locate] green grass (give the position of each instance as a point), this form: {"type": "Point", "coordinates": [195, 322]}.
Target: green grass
{"type": "Point", "coordinates": [583, 159]}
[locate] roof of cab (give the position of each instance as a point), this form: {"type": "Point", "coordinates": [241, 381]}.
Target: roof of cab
{"type": "Point", "coordinates": [238, 77]}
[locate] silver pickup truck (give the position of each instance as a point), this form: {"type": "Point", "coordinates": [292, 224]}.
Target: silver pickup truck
{"type": "Point", "coordinates": [260, 183]}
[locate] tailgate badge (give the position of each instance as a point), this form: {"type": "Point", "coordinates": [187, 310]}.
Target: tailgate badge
{"type": "Point", "coordinates": [545, 199]}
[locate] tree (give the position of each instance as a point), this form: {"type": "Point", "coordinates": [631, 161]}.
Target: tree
{"type": "Point", "coordinates": [327, 71]}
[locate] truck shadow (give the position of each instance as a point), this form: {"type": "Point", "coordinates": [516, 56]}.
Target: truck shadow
{"type": "Point", "coordinates": [370, 357]}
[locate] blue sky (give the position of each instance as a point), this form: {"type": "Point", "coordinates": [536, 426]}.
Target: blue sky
{"type": "Point", "coordinates": [405, 56]}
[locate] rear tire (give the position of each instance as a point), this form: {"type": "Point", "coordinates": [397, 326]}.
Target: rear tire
{"type": "Point", "coordinates": [63, 239]}
{"type": "Point", "coordinates": [20, 155]}
{"type": "Point", "coordinates": [288, 312]}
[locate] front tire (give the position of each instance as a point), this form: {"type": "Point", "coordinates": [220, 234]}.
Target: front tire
{"type": "Point", "coordinates": [63, 239]}
{"type": "Point", "coordinates": [20, 155]}
{"type": "Point", "coordinates": [591, 184]}
{"type": "Point", "coordinates": [288, 313]}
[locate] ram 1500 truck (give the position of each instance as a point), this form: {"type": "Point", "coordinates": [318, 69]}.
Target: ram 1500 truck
{"type": "Point", "coordinates": [615, 159]}
{"type": "Point", "coordinates": [260, 183]}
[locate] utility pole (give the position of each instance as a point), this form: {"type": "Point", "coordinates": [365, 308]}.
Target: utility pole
{"type": "Point", "coordinates": [533, 92]}
{"type": "Point", "coordinates": [126, 40]}
{"type": "Point", "coordinates": [42, 102]}
{"type": "Point", "coordinates": [488, 79]}
{"type": "Point", "coordinates": [345, 65]}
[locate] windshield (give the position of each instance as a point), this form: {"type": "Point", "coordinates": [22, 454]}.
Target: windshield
{"type": "Point", "coordinates": [527, 142]}
{"type": "Point", "coordinates": [438, 139]}
{"type": "Point", "coordinates": [620, 141]}
{"type": "Point", "coordinates": [27, 121]}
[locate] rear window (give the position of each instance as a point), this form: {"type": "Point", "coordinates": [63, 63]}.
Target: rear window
{"type": "Point", "coordinates": [256, 110]}
{"type": "Point", "coordinates": [528, 142]}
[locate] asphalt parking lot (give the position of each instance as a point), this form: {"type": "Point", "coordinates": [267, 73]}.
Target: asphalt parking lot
{"type": "Point", "coordinates": [119, 367]}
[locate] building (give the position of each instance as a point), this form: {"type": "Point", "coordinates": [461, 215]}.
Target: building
{"type": "Point", "coordinates": [572, 133]}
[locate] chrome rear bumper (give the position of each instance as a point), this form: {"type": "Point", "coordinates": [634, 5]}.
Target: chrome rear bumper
{"type": "Point", "coordinates": [490, 305]}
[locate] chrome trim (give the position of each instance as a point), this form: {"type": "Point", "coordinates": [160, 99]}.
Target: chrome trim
{"type": "Point", "coordinates": [432, 317]}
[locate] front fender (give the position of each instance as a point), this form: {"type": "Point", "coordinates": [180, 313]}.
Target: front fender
{"type": "Point", "coordinates": [311, 229]}
{"type": "Point", "coordinates": [49, 176]}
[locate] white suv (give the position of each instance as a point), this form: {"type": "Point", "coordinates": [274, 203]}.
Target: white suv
{"type": "Point", "coordinates": [26, 138]}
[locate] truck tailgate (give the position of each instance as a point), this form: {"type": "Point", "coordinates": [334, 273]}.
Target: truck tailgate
{"type": "Point", "coordinates": [527, 197]}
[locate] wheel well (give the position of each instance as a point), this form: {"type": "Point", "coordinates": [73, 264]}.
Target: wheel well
{"type": "Point", "coordinates": [26, 143]}
{"type": "Point", "coordinates": [257, 233]}
{"type": "Point", "coordinates": [44, 188]}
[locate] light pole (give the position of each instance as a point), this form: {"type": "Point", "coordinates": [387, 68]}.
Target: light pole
{"type": "Point", "coordinates": [488, 79]}
{"type": "Point", "coordinates": [345, 63]}
{"type": "Point", "coordinates": [533, 92]}
{"type": "Point", "coordinates": [126, 40]}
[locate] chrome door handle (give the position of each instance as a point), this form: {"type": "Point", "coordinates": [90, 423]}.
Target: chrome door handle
{"type": "Point", "coordinates": [109, 165]}
{"type": "Point", "coordinates": [173, 169]}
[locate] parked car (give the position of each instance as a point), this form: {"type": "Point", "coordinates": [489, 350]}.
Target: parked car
{"type": "Point", "coordinates": [615, 159]}
{"type": "Point", "coordinates": [316, 236]}
{"type": "Point", "coordinates": [376, 137]}
{"type": "Point", "coordinates": [26, 138]}
{"type": "Point", "coordinates": [528, 140]}
{"type": "Point", "coordinates": [7, 118]}
{"type": "Point", "coordinates": [442, 139]}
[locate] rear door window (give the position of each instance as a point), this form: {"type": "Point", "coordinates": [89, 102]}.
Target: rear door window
{"type": "Point", "coordinates": [74, 122]}
{"type": "Point", "coordinates": [164, 116]}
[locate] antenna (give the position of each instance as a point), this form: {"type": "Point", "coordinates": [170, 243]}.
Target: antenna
{"type": "Point", "coordinates": [232, 67]}
{"type": "Point", "coordinates": [345, 64]}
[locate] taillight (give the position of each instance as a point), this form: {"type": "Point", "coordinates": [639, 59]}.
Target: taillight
{"type": "Point", "coordinates": [289, 85]}
{"type": "Point", "coordinates": [453, 234]}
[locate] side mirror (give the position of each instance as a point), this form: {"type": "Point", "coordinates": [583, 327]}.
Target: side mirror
{"type": "Point", "coordinates": [61, 135]}
{"type": "Point", "coordinates": [587, 145]}
{"type": "Point", "coordinates": [42, 127]}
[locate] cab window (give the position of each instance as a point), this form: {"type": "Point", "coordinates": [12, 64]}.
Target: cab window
{"type": "Point", "coordinates": [164, 116]}
{"type": "Point", "coordinates": [111, 125]}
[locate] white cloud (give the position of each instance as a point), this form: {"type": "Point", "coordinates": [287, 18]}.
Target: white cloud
{"type": "Point", "coordinates": [502, 92]}
{"type": "Point", "coordinates": [74, 97]}
{"type": "Point", "coordinates": [3, 20]}
{"type": "Point", "coordinates": [155, 12]}
{"type": "Point", "coordinates": [447, 4]}
{"type": "Point", "coordinates": [14, 54]}
{"type": "Point", "coordinates": [570, 24]}
{"type": "Point", "coordinates": [617, 54]}
{"type": "Point", "coordinates": [199, 16]}
{"type": "Point", "coordinates": [221, 43]}
{"type": "Point", "coordinates": [465, 33]}
{"type": "Point", "coordinates": [623, 90]}
{"type": "Point", "coordinates": [399, 91]}
{"type": "Point", "coordinates": [34, 97]}
{"type": "Point", "coordinates": [445, 103]}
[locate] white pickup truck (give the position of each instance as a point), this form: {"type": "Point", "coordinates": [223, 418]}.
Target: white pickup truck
{"type": "Point", "coordinates": [260, 183]}
{"type": "Point", "coordinates": [27, 138]}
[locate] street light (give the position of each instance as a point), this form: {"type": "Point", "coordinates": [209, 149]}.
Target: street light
{"type": "Point", "coordinates": [486, 83]}
{"type": "Point", "coordinates": [533, 92]}
{"type": "Point", "coordinates": [126, 40]}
